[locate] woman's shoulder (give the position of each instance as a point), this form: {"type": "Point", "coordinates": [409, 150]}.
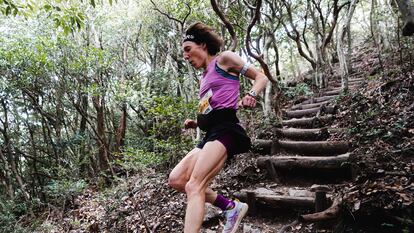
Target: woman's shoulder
{"type": "Point", "coordinates": [227, 55]}
{"type": "Point", "coordinates": [228, 58]}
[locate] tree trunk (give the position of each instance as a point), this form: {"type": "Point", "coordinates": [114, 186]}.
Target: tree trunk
{"type": "Point", "coordinates": [344, 60]}
{"type": "Point", "coordinates": [268, 100]}
{"type": "Point", "coordinates": [99, 105]}
{"type": "Point", "coordinates": [375, 30]}
{"type": "Point", "coordinates": [103, 153]}
{"type": "Point", "coordinates": [406, 7]}
{"type": "Point", "coordinates": [267, 107]}
{"type": "Point", "coordinates": [34, 149]}
{"type": "Point", "coordinates": [5, 177]}
{"type": "Point", "coordinates": [10, 158]}
{"type": "Point", "coordinates": [120, 133]}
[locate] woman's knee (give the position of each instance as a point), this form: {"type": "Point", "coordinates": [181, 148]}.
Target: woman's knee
{"type": "Point", "coordinates": [176, 181]}
{"type": "Point", "coordinates": [193, 187]}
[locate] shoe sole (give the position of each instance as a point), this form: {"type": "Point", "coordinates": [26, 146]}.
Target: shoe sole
{"type": "Point", "coordinates": [242, 214]}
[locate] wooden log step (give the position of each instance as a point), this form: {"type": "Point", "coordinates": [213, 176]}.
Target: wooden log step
{"type": "Point", "coordinates": [319, 99]}
{"type": "Point", "coordinates": [308, 106]}
{"type": "Point", "coordinates": [276, 201]}
{"type": "Point", "coordinates": [311, 148]}
{"type": "Point", "coordinates": [352, 80]}
{"type": "Point", "coordinates": [356, 80]}
{"type": "Point", "coordinates": [262, 146]}
{"type": "Point", "coordinates": [308, 148]}
{"type": "Point", "coordinates": [309, 112]}
{"type": "Point", "coordinates": [351, 86]}
{"type": "Point", "coordinates": [339, 85]}
{"type": "Point", "coordinates": [303, 134]}
{"type": "Point", "coordinates": [332, 92]}
{"type": "Point", "coordinates": [311, 122]}
{"type": "Point", "coordinates": [320, 169]}
{"type": "Point", "coordinates": [313, 162]}
{"type": "Point", "coordinates": [352, 83]}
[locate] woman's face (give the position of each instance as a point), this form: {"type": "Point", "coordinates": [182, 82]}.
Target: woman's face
{"type": "Point", "coordinates": [195, 54]}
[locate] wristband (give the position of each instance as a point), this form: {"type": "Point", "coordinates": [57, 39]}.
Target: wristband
{"type": "Point", "coordinates": [245, 68]}
{"type": "Point", "coordinates": [252, 93]}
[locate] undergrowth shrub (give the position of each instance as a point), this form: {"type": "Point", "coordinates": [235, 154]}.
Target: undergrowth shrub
{"type": "Point", "coordinates": [10, 212]}
{"type": "Point", "coordinates": [302, 89]}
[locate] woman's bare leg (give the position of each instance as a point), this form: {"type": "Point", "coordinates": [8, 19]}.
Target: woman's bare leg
{"type": "Point", "coordinates": [209, 162]}
{"type": "Point", "coordinates": [181, 173]}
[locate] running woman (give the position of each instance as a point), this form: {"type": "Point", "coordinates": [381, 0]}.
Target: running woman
{"type": "Point", "coordinates": [219, 93]}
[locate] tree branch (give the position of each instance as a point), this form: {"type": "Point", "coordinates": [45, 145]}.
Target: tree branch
{"type": "Point", "coordinates": [227, 24]}
{"type": "Point", "coordinates": [180, 22]}
{"type": "Point", "coordinates": [259, 58]}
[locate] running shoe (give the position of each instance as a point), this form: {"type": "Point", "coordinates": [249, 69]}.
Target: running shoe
{"type": "Point", "coordinates": [234, 216]}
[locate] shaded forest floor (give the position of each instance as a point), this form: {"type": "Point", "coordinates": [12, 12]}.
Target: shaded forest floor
{"type": "Point", "coordinates": [380, 121]}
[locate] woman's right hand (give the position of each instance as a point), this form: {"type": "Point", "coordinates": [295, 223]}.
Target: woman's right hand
{"type": "Point", "coordinates": [190, 124]}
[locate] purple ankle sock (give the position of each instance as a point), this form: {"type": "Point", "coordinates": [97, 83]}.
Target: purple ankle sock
{"type": "Point", "coordinates": [223, 203]}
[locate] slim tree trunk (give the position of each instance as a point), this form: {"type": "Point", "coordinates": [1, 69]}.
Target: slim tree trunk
{"type": "Point", "coordinates": [344, 62]}
{"type": "Point", "coordinates": [375, 29]}
{"type": "Point", "coordinates": [98, 103]}
{"type": "Point", "coordinates": [5, 177]}
{"type": "Point", "coordinates": [34, 150]}
{"type": "Point", "coordinates": [120, 134]}
{"type": "Point", "coordinates": [267, 108]}
{"type": "Point", "coordinates": [10, 158]}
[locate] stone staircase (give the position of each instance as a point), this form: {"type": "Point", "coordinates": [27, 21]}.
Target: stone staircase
{"type": "Point", "coordinates": [303, 167]}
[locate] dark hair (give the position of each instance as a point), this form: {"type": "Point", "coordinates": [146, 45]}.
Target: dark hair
{"type": "Point", "coordinates": [200, 33]}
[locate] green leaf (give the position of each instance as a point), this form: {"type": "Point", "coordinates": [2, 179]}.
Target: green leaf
{"type": "Point", "coordinates": [47, 7]}
{"type": "Point", "coordinates": [93, 3]}
{"type": "Point", "coordinates": [8, 10]}
{"type": "Point", "coordinates": [57, 22]}
{"type": "Point", "coordinates": [110, 2]}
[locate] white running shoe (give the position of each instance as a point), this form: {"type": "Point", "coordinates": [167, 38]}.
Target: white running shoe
{"type": "Point", "coordinates": [234, 216]}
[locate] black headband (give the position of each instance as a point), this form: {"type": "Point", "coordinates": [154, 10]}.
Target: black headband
{"type": "Point", "coordinates": [190, 37]}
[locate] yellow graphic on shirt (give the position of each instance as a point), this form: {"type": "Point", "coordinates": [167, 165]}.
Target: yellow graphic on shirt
{"type": "Point", "coordinates": [204, 106]}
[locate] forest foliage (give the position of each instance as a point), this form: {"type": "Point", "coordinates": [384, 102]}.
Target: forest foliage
{"type": "Point", "coordinates": [92, 91]}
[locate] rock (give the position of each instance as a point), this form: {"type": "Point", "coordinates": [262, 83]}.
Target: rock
{"type": "Point", "coordinates": [212, 216]}
{"type": "Point", "coordinates": [300, 193]}
{"type": "Point", "coordinates": [247, 228]}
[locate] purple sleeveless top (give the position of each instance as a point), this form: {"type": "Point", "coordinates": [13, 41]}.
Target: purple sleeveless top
{"type": "Point", "coordinates": [224, 87]}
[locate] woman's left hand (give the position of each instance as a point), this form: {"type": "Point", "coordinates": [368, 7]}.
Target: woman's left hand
{"type": "Point", "coordinates": [248, 101]}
